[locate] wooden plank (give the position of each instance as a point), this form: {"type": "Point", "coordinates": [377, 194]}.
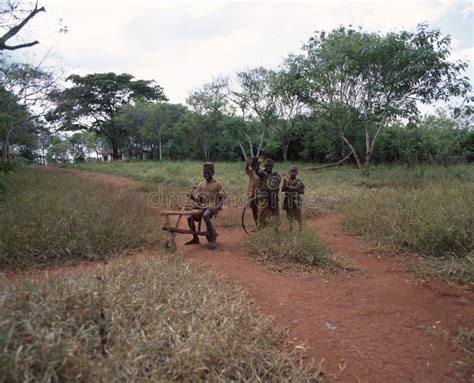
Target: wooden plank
{"type": "Point", "coordinates": [183, 231]}
{"type": "Point", "coordinates": [195, 212]}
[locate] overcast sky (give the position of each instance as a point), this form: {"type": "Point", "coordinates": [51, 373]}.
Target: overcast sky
{"type": "Point", "coordinates": [183, 44]}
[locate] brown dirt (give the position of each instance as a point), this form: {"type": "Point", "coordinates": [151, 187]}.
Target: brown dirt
{"type": "Point", "coordinates": [380, 325]}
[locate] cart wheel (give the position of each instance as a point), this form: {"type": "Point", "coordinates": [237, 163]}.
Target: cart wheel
{"type": "Point", "coordinates": [248, 222]}
{"type": "Point", "coordinates": [170, 246]}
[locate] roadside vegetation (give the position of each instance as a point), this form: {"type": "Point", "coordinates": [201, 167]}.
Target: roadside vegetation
{"type": "Point", "coordinates": [49, 218]}
{"type": "Point", "coordinates": [464, 338]}
{"type": "Point", "coordinates": [426, 209]}
{"type": "Point", "coordinates": [326, 190]}
{"type": "Point", "coordinates": [287, 249]}
{"type": "Point", "coordinates": [162, 319]}
{"type": "Point", "coordinates": [433, 219]}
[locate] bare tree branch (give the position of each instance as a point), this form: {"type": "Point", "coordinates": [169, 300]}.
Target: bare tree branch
{"type": "Point", "coordinates": [14, 30]}
{"type": "Point", "coordinates": [338, 163]}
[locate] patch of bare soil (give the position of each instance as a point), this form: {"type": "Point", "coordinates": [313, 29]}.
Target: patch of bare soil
{"type": "Point", "coordinates": [382, 325]}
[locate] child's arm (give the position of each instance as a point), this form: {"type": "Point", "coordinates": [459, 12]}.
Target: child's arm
{"type": "Point", "coordinates": [284, 187]}
{"type": "Point", "coordinates": [300, 187]}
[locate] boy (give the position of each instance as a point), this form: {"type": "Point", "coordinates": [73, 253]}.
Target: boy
{"type": "Point", "coordinates": [268, 195]}
{"type": "Point", "coordinates": [292, 201]}
{"type": "Point", "coordinates": [210, 198]}
{"type": "Point", "coordinates": [254, 185]}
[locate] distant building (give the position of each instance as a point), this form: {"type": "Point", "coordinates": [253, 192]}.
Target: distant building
{"type": "Point", "coordinates": [108, 156]}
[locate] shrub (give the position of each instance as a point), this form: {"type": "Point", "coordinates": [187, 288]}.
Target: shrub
{"type": "Point", "coordinates": [162, 319]}
{"type": "Point", "coordinates": [52, 217]}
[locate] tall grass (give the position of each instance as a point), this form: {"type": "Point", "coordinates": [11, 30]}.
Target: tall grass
{"type": "Point", "coordinates": [436, 220]}
{"type": "Point", "coordinates": [326, 190]}
{"type": "Point", "coordinates": [51, 217]}
{"type": "Point", "coordinates": [158, 320]}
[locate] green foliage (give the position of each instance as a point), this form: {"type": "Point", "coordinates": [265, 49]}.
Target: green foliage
{"type": "Point", "coordinates": [9, 166]}
{"type": "Point", "coordinates": [435, 140]}
{"type": "Point", "coordinates": [436, 219]}
{"type": "Point", "coordinates": [5, 181]}
{"type": "Point", "coordinates": [161, 319]}
{"type": "Point", "coordinates": [49, 217]}
{"type": "Point", "coordinates": [98, 98]}
{"type": "Point", "coordinates": [360, 81]}
{"type": "Point", "coordinates": [59, 150]}
{"type": "Point", "coordinates": [150, 127]}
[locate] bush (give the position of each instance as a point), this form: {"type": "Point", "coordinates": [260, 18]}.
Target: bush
{"type": "Point", "coordinates": [51, 217]}
{"type": "Point", "coordinates": [436, 220]}
{"type": "Point", "coordinates": [162, 319]}
{"type": "Point", "coordinates": [301, 248]}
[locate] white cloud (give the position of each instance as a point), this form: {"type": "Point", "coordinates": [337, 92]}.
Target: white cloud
{"type": "Point", "coordinates": [182, 44]}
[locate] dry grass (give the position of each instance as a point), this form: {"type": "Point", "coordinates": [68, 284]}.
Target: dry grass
{"type": "Point", "coordinates": [436, 220]}
{"type": "Point", "coordinates": [158, 320]}
{"type": "Point", "coordinates": [295, 248]}
{"type": "Point", "coordinates": [326, 190]}
{"type": "Point", "coordinates": [55, 218]}
{"type": "Point", "coordinates": [464, 338]}
{"type": "Point", "coordinates": [460, 270]}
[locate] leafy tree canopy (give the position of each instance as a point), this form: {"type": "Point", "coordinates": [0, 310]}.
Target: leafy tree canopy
{"type": "Point", "coordinates": [364, 80]}
{"type": "Point", "coordinates": [95, 99]}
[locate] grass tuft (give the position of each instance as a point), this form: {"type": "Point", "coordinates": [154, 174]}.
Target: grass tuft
{"type": "Point", "coordinates": [464, 338]}
{"type": "Point", "coordinates": [289, 248]}
{"type": "Point", "coordinates": [162, 319]}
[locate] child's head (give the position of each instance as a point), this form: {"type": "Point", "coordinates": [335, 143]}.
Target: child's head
{"type": "Point", "coordinates": [268, 165]}
{"type": "Point", "coordinates": [293, 171]}
{"type": "Point", "coordinates": [208, 170]}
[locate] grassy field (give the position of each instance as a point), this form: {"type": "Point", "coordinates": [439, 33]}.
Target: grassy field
{"type": "Point", "coordinates": [159, 319]}
{"type": "Point", "coordinates": [166, 319]}
{"type": "Point", "coordinates": [162, 319]}
{"type": "Point", "coordinates": [49, 218]}
{"type": "Point", "coordinates": [425, 209]}
{"type": "Point", "coordinates": [327, 190]}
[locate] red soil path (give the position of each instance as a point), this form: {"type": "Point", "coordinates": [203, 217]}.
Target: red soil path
{"type": "Point", "coordinates": [380, 325]}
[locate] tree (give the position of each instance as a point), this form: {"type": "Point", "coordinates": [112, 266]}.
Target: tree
{"type": "Point", "coordinates": [362, 81]}
{"type": "Point", "coordinates": [9, 15]}
{"type": "Point", "coordinates": [161, 120]}
{"type": "Point", "coordinates": [94, 100]}
{"type": "Point", "coordinates": [23, 98]}
{"type": "Point", "coordinates": [149, 123]}
{"type": "Point", "coordinates": [208, 104]}
{"type": "Point", "coordinates": [289, 108]}
{"type": "Point", "coordinates": [58, 150]}
{"type": "Point", "coordinates": [253, 96]}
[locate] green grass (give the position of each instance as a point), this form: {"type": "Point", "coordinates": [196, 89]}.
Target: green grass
{"type": "Point", "coordinates": [326, 190]}
{"type": "Point", "coordinates": [49, 218]}
{"type": "Point", "coordinates": [163, 319]}
{"type": "Point", "coordinates": [294, 248]}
